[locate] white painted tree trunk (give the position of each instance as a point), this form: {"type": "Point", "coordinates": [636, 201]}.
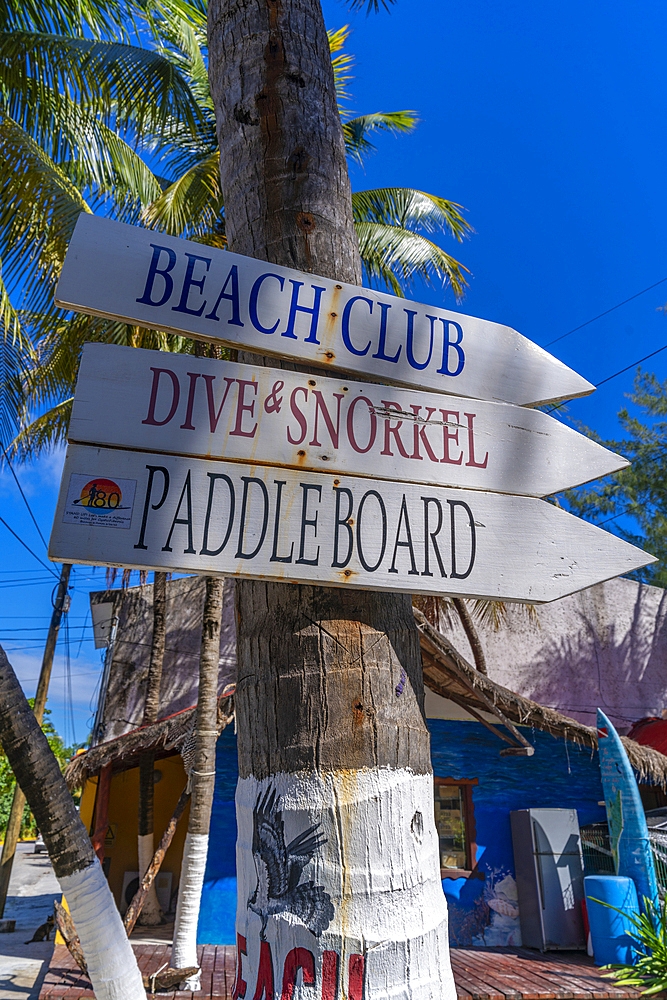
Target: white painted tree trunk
{"type": "Point", "coordinates": [202, 780]}
{"type": "Point", "coordinates": [388, 934]}
{"type": "Point", "coordinates": [151, 912]}
{"type": "Point", "coordinates": [112, 965]}
{"type": "Point", "coordinates": [193, 865]}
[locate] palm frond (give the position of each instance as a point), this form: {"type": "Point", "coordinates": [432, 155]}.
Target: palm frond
{"type": "Point", "coordinates": [195, 12]}
{"type": "Point", "coordinates": [191, 204]}
{"type": "Point", "coordinates": [39, 207]}
{"type": "Point", "coordinates": [355, 130]}
{"type": "Point", "coordinates": [185, 42]}
{"type": "Point", "coordinates": [122, 85]}
{"type": "Point", "coordinates": [341, 63]}
{"type": "Point", "coordinates": [43, 433]}
{"type": "Point", "coordinates": [109, 166]}
{"type": "Point", "coordinates": [494, 615]}
{"type": "Point", "coordinates": [397, 256]}
{"type": "Point", "coordinates": [372, 6]}
{"type": "Point", "coordinates": [16, 351]}
{"type": "Point", "coordinates": [100, 17]}
{"type": "Point", "coordinates": [408, 208]}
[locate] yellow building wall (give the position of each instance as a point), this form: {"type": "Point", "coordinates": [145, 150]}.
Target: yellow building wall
{"type": "Point", "coordinates": [121, 843]}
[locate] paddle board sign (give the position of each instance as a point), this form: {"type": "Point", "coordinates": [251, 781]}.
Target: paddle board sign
{"type": "Point", "coordinates": [628, 832]}
{"type": "Point", "coordinates": [161, 282]}
{"type": "Point", "coordinates": [165, 512]}
{"type": "Point", "coordinates": [174, 403]}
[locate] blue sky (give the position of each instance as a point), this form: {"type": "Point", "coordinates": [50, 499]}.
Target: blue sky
{"type": "Point", "coordinates": [547, 122]}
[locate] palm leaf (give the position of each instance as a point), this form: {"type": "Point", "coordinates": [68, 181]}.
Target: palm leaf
{"type": "Point", "coordinates": [355, 130]}
{"type": "Point", "coordinates": [371, 5]}
{"type": "Point", "coordinates": [99, 17]}
{"type": "Point", "coordinates": [43, 433]}
{"type": "Point", "coordinates": [398, 256]}
{"type": "Point", "coordinates": [191, 204]}
{"type": "Point", "coordinates": [341, 63]}
{"type": "Point", "coordinates": [16, 351]}
{"type": "Point", "coordinates": [122, 85]}
{"type": "Point", "coordinates": [39, 207]}
{"type": "Point", "coordinates": [408, 208]}
{"type": "Point", "coordinates": [185, 42]}
{"type": "Point", "coordinates": [113, 170]}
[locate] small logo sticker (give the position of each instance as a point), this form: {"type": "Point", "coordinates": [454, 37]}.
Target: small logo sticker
{"type": "Point", "coordinates": [100, 501]}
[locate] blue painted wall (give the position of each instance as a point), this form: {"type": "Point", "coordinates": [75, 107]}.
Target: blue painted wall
{"type": "Point", "coordinates": [559, 775]}
{"type": "Point", "coordinates": [218, 904]}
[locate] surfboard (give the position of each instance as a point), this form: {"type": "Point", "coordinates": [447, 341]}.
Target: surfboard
{"type": "Point", "coordinates": [628, 832]}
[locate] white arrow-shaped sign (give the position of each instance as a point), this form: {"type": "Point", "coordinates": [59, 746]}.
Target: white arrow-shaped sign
{"type": "Point", "coordinates": [158, 281]}
{"type": "Point", "coordinates": [177, 404]}
{"type": "Point", "coordinates": [151, 511]}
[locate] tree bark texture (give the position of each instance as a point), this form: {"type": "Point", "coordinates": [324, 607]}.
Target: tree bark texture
{"type": "Point", "coordinates": [151, 913]}
{"type": "Point", "coordinates": [471, 633]}
{"type": "Point", "coordinates": [134, 909]}
{"type": "Point", "coordinates": [111, 963]}
{"type": "Point", "coordinates": [338, 874]}
{"type": "Point", "coordinates": [202, 783]}
{"type": "Point", "coordinates": [13, 829]}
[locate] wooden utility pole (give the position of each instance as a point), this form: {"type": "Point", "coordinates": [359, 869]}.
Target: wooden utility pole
{"type": "Point", "coordinates": [18, 802]}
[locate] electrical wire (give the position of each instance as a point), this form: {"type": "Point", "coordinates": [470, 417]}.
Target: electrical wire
{"type": "Point", "coordinates": [615, 375]}
{"type": "Point", "coordinates": [25, 499]}
{"type": "Point", "coordinates": [606, 312]}
{"type": "Point", "coordinates": [11, 530]}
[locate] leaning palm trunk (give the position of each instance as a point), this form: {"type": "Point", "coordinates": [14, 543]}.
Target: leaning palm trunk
{"type": "Point", "coordinates": [471, 633]}
{"type": "Point", "coordinates": [337, 861]}
{"type": "Point", "coordinates": [202, 781]}
{"type": "Point", "coordinates": [151, 914]}
{"type": "Point", "coordinates": [112, 966]}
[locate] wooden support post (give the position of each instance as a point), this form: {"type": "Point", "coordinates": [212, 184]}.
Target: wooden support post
{"type": "Point", "coordinates": [134, 909]}
{"type": "Point", "coordinates": [102, 811]}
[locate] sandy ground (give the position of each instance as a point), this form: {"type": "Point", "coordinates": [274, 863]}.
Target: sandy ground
{"type": "Point", "coordinates": [32, 890]}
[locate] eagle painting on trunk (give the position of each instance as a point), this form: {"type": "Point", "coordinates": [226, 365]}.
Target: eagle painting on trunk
{"type": "Point", "coordinates": [279, 868]}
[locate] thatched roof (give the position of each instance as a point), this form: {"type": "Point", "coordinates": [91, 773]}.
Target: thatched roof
{"type": "Point", "coordinates": [163, 738]}
{"type": "Point", "coordinates": [448, 674]}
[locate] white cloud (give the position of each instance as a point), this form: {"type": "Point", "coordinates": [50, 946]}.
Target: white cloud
{"type": "Point", "coordinates": [34, 477]}
{"type": "Point", "coordinates": [85, 676]}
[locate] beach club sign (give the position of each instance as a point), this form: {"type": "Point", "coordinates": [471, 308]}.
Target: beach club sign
{"type": "Point", "coordinates": [157, 281]}
{"type": "Point", "coordinates": [210, 467]}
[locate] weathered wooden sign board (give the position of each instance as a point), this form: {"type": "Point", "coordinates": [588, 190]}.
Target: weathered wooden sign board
{"type": "Point", "coordinates": [177, 404]}
{"type": "Point", "coordinates": [152, 511]}
{"type": "Point", "coordinates": [158, 281]}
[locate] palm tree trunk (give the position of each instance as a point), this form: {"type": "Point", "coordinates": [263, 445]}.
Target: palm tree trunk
{"type": "Point", "coordinates": [112, 966]}
{"type": "Point", "coordinates": [151, 914]}
{"type": "Point", "coordinates": [471, 633]}
{"type": "Point", "coordinates": [202, 782]}
{"type": "Point", "coordinates": [330, 693]}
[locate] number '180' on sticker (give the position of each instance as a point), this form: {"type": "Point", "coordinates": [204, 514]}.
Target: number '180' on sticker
{"type": "Point", "coordinates": [98, 500]}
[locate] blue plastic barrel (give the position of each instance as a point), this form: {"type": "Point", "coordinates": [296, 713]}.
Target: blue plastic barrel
{"type": "Point", "coordinates": [610, 930]}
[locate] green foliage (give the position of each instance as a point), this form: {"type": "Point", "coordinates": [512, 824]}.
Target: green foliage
{"type": "Point", "coordinates": [639, 491]}
{"type": "Point", "coordinates": [649, 934]}
{"type": "Point", "coordinates": [95, 124]}
{"type": "Point", "coordinates": [8, 782]}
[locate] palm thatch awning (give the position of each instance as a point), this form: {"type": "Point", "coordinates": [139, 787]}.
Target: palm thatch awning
{"type": "Point", "coordinates": [449, 675]}
{"type": "Point", "coordinates": [446, 673]}
{"type": "Point", "coordinates": [162, 738]}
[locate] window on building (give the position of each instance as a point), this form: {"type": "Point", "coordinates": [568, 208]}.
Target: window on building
{"type": "Point", "coordinates": [455, 823]}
